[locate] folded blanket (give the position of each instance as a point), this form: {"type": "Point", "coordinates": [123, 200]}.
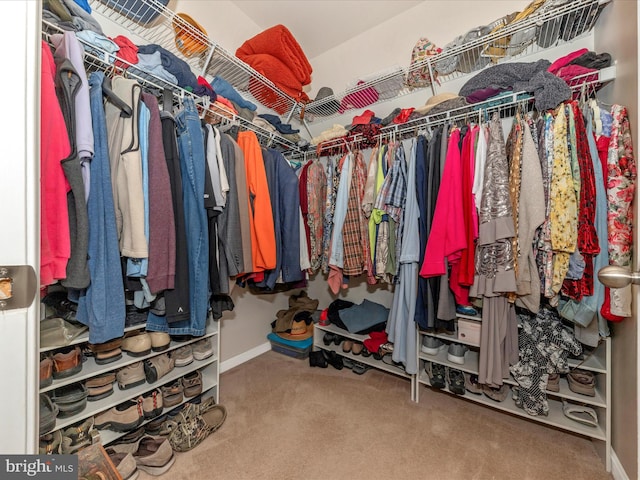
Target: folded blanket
{"type": "Point", "coordinates": [276, 54]}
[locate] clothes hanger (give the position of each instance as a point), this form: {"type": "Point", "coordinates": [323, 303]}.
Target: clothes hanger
{"type": "Point", "coordinates": [125, 110]}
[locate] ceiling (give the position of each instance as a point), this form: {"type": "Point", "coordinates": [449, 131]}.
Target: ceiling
{"type": "Point", "coordinates": [307, 19]}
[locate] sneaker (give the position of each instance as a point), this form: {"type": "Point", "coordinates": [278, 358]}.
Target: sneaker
{"type": "Point", "coordinates": [456, 353]}
{"type": "Point", "coordinates": [436, 373]}
{"type": "Point", "coordinates": [466, 310]}
{"type": "Point", "coordinates": [202, 349]}
{"type": "Point", "coordinates": [157, 367]}
{"type": "Point", "coordinates": [432, 345]}
{"type": "Point", "coordinates": [182, 356]}
{"type": "Point", "coordinates": [455, 379]}
{"type": "Point", "coordinates": [131, 376]}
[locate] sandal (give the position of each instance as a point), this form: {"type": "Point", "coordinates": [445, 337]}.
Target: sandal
{"type": "Point", "coordinates": [582, 382]}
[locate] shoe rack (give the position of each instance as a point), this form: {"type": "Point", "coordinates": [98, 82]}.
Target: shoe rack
{"type": "Point", "coordinates": [385, 364]}
{"type": "Point", "coordinates": [208, 367]}
{"type": "Point", "coordinates": [598, 362]}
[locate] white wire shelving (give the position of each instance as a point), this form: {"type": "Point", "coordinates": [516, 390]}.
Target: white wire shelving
{"type": "Point", "coordinates": [555, 23]}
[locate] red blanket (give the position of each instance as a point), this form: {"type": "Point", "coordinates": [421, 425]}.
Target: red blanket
{"type": "Point", "coordinates": [276, 54]}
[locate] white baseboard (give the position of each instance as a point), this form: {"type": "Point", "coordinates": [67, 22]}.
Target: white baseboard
{"type": "Point", "coordinates": [617, 470]}
{"type": "Point", "coordinates": [244, 357]}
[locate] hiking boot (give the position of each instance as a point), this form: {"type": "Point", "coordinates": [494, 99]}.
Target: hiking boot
{"type": "Point", "coordinates": [202, 349]}
{"type": "Point", "coordinates": [456, 353]}
{"type": "Point", "coordinates": [436, 372]}
{"type": "Point", "coordinates": [182, 356]}
{"type": "Point", "coordinates": [157, 367]}
{"type": "Point", "coordinates": [455, 378]}
{"type": "Point", "coordinates": [432, 345]}
{"type": "Point", "coordinates": [131, 376]}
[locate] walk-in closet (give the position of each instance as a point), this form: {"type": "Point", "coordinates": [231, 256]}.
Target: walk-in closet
{"type": "Point", "coordinates": [320, 239]}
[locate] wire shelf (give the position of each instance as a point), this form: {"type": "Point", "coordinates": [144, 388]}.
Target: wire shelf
{"type": "Point", "coordinates": [98, 60]}
{"type": "Point", "coordinates": [156, 24]}
{"type": "Point", "coordinates": [555, 23]}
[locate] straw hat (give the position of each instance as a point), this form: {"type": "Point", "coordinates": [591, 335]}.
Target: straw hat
{"type": "Point", "coordinates": [188, 40]}
{"type": "Point", "coordinates": [435, 100]}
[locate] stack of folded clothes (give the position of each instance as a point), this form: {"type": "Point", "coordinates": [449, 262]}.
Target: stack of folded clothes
{"type": "Point", "coordinates": [276, 54]}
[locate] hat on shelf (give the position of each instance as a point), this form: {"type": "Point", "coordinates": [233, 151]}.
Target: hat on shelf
{"type": "Point", "coordinates": [435, 100]}
{"type": "Point", "coordinates": [190, 36]}
{"type": "Point", "coordinates": [363, 119]}
{"type": "Point", "coordinates": [326, 108]}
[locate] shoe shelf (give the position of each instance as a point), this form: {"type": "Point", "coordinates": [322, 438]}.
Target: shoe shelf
{"type": "Point", "coordinates": [213, 60]}
{"type": "Point", "coordinates": [471, 359]}
{"type": "Point", "coordinates": [91, 369]}
{"type": "Point", "coordinates": [84, 338]}
{"type": "Point", "coordinates": [555, 418]}
{"type": "Point", "coordinates": [448, 337]}
{"type": "Point", "coordinates": [544, 27]}
{"type": "Point", "coordinates": [119, 396]}
{"type": "Point", "coordinates": [209, 382]}
{"type": "Point", "coordinates": [320, 330]}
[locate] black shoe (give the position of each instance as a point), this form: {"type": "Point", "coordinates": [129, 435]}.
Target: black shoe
{"type": "Point", "coordinates": [436, 372]}
{"type": "Point", "coordinates": [328, 338]}
{"type": "Point", "coordinates": [316, 359]}
{"type": "Point", "coordinates": [455, 378]}
{"type": "Point", "coordinates": [333, 359]}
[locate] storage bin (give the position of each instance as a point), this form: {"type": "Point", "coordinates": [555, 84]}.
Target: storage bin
{"type": "Point", "coordinates": [469, 331]}
{"type": "Point", "coordinates": [296, 349]}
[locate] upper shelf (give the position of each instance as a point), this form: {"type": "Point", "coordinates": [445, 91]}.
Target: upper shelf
{"type": "Point", "coordinates": [548, 27]}
{"type": "Point", "coordinates": [155, 23]}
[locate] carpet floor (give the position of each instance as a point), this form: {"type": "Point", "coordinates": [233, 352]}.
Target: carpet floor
{"type": "Point", "coordinates": [288, 421]}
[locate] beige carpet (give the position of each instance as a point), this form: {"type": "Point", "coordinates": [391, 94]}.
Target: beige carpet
{"type": "Point", "coordinates": [289, 421]}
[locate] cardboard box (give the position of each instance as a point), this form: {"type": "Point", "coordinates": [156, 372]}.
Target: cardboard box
{"type": "Point", "coordinates": [469, 331]}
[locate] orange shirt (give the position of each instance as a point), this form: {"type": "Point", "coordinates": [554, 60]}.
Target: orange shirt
{"type": "Point", "coordinates": [263, 239]}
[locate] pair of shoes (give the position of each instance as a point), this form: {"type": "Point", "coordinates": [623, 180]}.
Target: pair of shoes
{"type": "Point", "coordinates": [499, 394]}
{"type": "Point", "coordinates": [436, 374]}
{"type": "Point", "coordinates": [100, 387]}
{"type": "Point", "coordinates": [471, 384]}
{"type": "Point", "coordinates": [553, 382]}
{"type": "Point", "coordinates": [330, 338]}
{"type": "Point", "coordinates": [158, 366]}
{"type": "Point", "coordinates": [455, 381]}
{"type": "Point", "coordinates": [333, 359]}
{"type": "Point", "coordinates": [466, 310]}
{"type": "Point", "coordinates": [121, 418]}
{"type": "Point", "coordinates": [316, 359]}
{"type": "Point", "coordinates": [70, 399]}
{"type": "Point", "coordinates": [153, 455]}
{"type": "Point", "coordinates": [182, 356]}
{"type": "Point", "coordinates": [456, 353]}
{"type": "Point", "coordinates": [432, 345]}
{"type": "Point", "coordinates": [67, 362]}
{"type": "Point", "coordinates": [582, 382]}
{"type": "Point", "coordinates": [131, 376]}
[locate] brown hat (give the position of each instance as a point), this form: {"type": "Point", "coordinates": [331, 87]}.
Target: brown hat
{"type": "Point", "coordinates": [299, 330]}
{"type": "Point", "coordinates": [435, 100]}
{"type": "Point", "coordinates": [191, 37]}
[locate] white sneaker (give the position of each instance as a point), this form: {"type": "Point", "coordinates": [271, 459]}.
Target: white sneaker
{"type": "Point", "coordinates": [456, 353]}
{"type": "Point", "coordinates": [432, 345]}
